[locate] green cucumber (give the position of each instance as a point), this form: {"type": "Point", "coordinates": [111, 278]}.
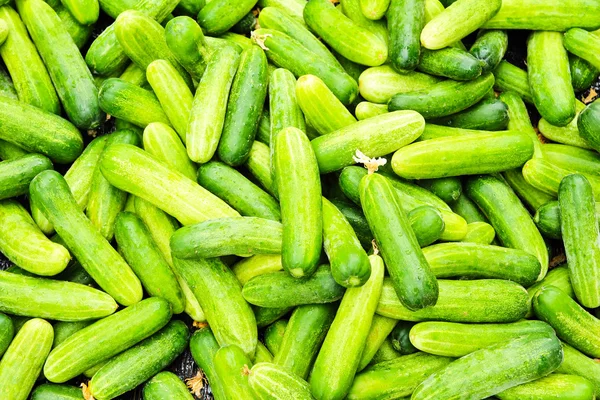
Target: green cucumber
{"type": "Point", "coordinates": [587, 123]}
{"type": "Point", "coordinates": [583, 74]}
{"type": "Point", "coordinates": [465, 207]}
{"type": "Point", "coordinates": [546, 176]}
{"type": "Point", "coordinates": [106, 338]}
{"type": "Point", "coordinates": [220, 295]}
{"type": "Point", "coordinates": [69, 73]}
{"type": "Point", "coordinates": [84, 12]}
{"type": "Point", "coordinates": [259, 166]}
{"type": "Point", "coordinates": [379, 84]}
{"type": "Point", "coordinates": [385, 352]}
{"type": "Point", "coordinates": [477, 301]}
{"type": "Point", "coordinates": [49, 391]}
{"type": "Point", "coordinates": [9, 151]}
{"type": "Point", "coordinates": [512, 78]}
{"type": "Point", "coordinates": [273, 335]}
{"type": "Point", "coordinates": [558, 277]}
{"type": "Point", "coordinates": [134, 74]}
{"type": "Point", "coordinates": [352, 9]}
{"type": "Point", "coordinates": [566, 134]}
{"type": "Point", "coordinates": [374, 9]}
{"type": "Point", "coordinates": [245, 25]}
{"type": "Point", "coordinates": [365, 110]}
{"type": "Point", "coordinates": [209, 106]}
{"type": "Point", "coordinates": [518, 119]}
{"type": "Point", "coordinates": [263, 132]}
{"type": "Point", "coordinates": [452, 339]}
{"type": "Point", "coordinates": [249, 267]}
{"type": "Point", "coordinates": [342, 346]}
{"type": "Point", "coordinates": [513, 224]}
{"type": "Point", "coordinates": [299, 189]}
{"type": "Point", "coordinates": [375, 137]}
{"type": "Point", "coordinates": [53, 196]}
{"type": "Point", "coordinates": [583, 44]}
{"type": "Point", "coordinates": [396, 378]}
{"type": "Point", "coordinates": [576, 363]}
{"type": "Point", "coordinates": [245, 104]}
{"type": "Point", "coordinates": [487, 115]}
{"type": "Point", "coordinates": [531, 196]}
{"type": "Point", "coordinates": [405, 21]}
{"type": "Point", "coordinates": [427, 224]}
{"type": "Point", "coordinates": [262, 354]}
{"type": "Point", "coordinates": [22, 363]}
{"type": "Point", "coordinates": [448, 189]}
{"type": "Point", "coordinates": [557, 386]}
{"type": "Point", "coordinates": [219, 16]}
{"type": "Point", "coordinates": [440, 99]}
{"type": "Point", "coordinates": [450, 62]}
{"type": "Point", "coordinates": [490, 48]}
{"type": "Point", "coordinates": [547, 219]}
{"type": "Point", "coordinates": [79, 33]}
{"type": "Point", "coordinates": [239, 192]}
{"type": "Point", "coordinates": [357, 220]}
{"type": "Point", "coordinates": [293, 7]}
{"type": "Point", "coordinates": [470, 155]}
{"type": "Point", "coordinates": [280, 290]}
{"type": "Point", "coordinates": [479, 232]}
{"type": "Point", "coordinates": [64, 329]}
{"type": "Point", "coordinates": [137, 364]}
{"type": "Point", "coordinates": [412, 277]}
{"type": "Point", "coordinates": [549, 77]}
{"type": "Point", "coordinates": [162, 141]}
{"type": "Point", "coordinates": [137, 172]}
{"type": "Point", "coordinates": [173, 94]}
{"type": "Point", "coordinates": [232, 366]}
{"type": "Point", "coordinates": [571, 157]}
{"type": "Point", "coordinates": [7, 87]}
{"type": "Point", "coordinates": [509, 364]}
{"type": "Point", "coordinates": [16, 174]}
{"type": "Point", "coordinates": [270, 381]}
{"type": "Point", "coordinates": [400, 339]}
{"type": "Point", "coordinates": [7, 332]}
{"type": "Point", "coordinates": [203, 347]}
{"type": "Point", "coordinates": [380, 329]}
{"type": "Point", "coordinates": [226, 236]}
{"type": "Point", "coordinates": [29, 75]}
{"type": "Point", "coordinates": [166, 386]}
{"type": "Point", "coordinates": [477, 261]}
{"type": "Point", "coordinates": [186, 42]}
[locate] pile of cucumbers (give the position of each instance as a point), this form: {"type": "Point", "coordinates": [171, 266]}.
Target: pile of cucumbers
{"type": "Point", "coordinates": [318, 199]}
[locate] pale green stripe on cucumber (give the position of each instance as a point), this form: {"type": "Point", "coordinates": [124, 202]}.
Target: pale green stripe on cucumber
{"type": "Point", "coordinates": [546, 177]}
{"type": "Point", "coordinates": [268, 380]}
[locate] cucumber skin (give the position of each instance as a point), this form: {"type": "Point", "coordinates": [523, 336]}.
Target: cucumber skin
{"type": "Point", "coordinates": [571, 322]}
{"type": "Point", "coordinates": [450, 62]}
{"type": "Point", "coordinates": [232, 366]}
{"type": "Point", "coordinates": [487, 300]}
{"type": "Point", "coordinates": [53, 196]}
{"type": "Point", "coordinates": [106, 338]}
{"type": "Point", "coordinates": [66, 66]}
{"type": "Point", "coordinates": [85, 13]}
{"type": "Point", "coordinates": [7, 332]}
{"type": "Point", "coordinates": [466, 208]}
{"type": "Point", "coordinates": [558, 277]}
{"type": "Point", "coordinates": [380, 329]}
{"type": "Point", "coordinates": [137, 364]}
{"type": "Point", "coordinates": [567, 387]}
{"type": "Point", "coordinates": [270, 381]}
{"type": "Point", "coordinates": [490, 48]}
{"type": "Point", "coordinates": [427, 223]}
{"type": "Point", "coordinates": [357, 219]}
{"type": "Point", "coordinates": [531, 196]}
{"type": "Point", "coordinates": [248, 268]}
{"type": "Point", "coordinates": [587, 123]}
{"type": "Point", "coordinates": [186, 41]}
{"type": "Point", "coordinates": [405, 21]}
{"type": "Point", "coordinates": [273, 335]}
{"type": "Point", "coordinates": [218, 17]}
{"type": "Point", "coordinates": [512, 78]}
{"type": "Point", "coordinates": [49, 391]}
{"type": "Point", "coordinates": [164, 143]}
{"type": "Point", "coordinates": [246, 101]}
{"type": "Point", "coordinates": [583, 74]}
{"type": "Point", "coordinates": [511, 221]}
{"type": "Point", "coordinates": [65, 329]}
{"type": "Point", "coordinates": [487, 115]}
{"type": "Point", "coordinates": [480, 232]}
{"type": "Point", "coordinates": [379, 84]}
{"type": "Point", "coordinates": [16, 174]}
{"type": "Point", "coordinates": [203, 347]}
{"type": "Point", "coordinates": [576, 363]}
{"type": "Point", "coordinates": [400, 340]}
{"type": "Point", "coordinates": [448, 189]}
{"type": "Point", "coordinates": [546, 176]}
{"type": "Point", "coordinates": [571, 157]}
{"type": "Point", "coordinates": [547, 219]}
{"type": "Point", "coordinates": [166, 386]}
{"type": "Point", "coordinates": [541, 353]}
{"type": "Point", "coordinates": [413, 279]}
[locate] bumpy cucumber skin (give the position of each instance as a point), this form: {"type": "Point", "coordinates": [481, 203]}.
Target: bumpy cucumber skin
{"type": "Point", "coordinates": [270, 381]}
{"type": "Point", "coordinates": [487, 115]}
{"type": "Point", "coordinates": [546, 177]}
{"type": "Point", "coordinates": [547, 219]}
{"type": "Point", "coordinates": [379, 84]}
{"type": "Point", "coordinates": [217, 17]}
{"type": "Point", "coordinates": [357, 219]}
{"type": "Point", "coordinates": [7, 332]}
{"type": "Point", "coordinates": [203, 347]}
{"type": "Point", "coordinates": [567, 387]}
{"type": "Point", "coordinates": [405, 20]}
{"type": "Point", "coordinates": [400, 339]}
{"type": "Point", "coordinates": [232, 366]}
{"type": "Point", "coordinates": [380, 328]}
{"type": "Point", "coordinates": [490, 48]}
{"type": "Point", "coordinates": [166, 386]}
{"type": "Point", "coordinates": [16, 174]}
{"type": "Point", "coordinates": [427, 223]}
{"type": "Point", "coordinates": [49, 391]}
{"type": "Point", "coordinates": [587, 122]}
{"type": "Point", "coordinates": [576, 363]}
{"type": "Point", "coordinates": [450, 62]}
{"type": "Point", "coordinates": [78, 32]}
{"type": "Point", "coordinates": [531, 196]}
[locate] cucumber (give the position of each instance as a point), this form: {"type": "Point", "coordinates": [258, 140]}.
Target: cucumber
{"type": "Point", "coordinates": [64, 329]}
{"type": "Point", "coordinates": [512, 78]}
{"type": "Point", "coordinates": [558, 277]}
{"type": "Point", "coordinates": [400, 340]}
{"type": "Point", "coordinates": [203, 347]}
{"type": "Point", "coordinates": [396, 378]}
{"type": "Point", "coordinates": [262, 354]}
{"type": "Point", "coordinates": [513, 225]}
{"type": "Point", "coordinates": [239, 192]}
{"type": "Point", "coordinates": [549, 77]}
{"type": "Point", "coordinates": [29, 75]}
{"type": "Point", "coordinates": [259, 166]}
{"type": "Point", "coordinates": [79, 33]}
{"type": "Point", "coordinates": [583, 44]}
{"type": "Point", "coordinates": [487, 115]}
{"type": "Point", "coordinates": [587, 124]}
{"type": "Point", "coordinates": [246, 101]}
{"type": "Point", "coordinates": [477, 301]}
{"type": "Point", "coordinates": [186, 42]}
{"type": "Point", "coordinates": [263, 132]}
{"type": "Point", "coordinates": [9, 151]}
{"type": "Point", "coordinates": [568, 387]}
{"type": "Point", "coordinates": [576, 363]}
{"type": "Point", "coordinates": [342, 346]}
{"type": "Point", "coordinates": [232, 366]}
{"type": "Point", "coordinates": [357, 220]}
{"type": "Point", "coordinates": [69, 73]}
{"type": "Point", "coordinates": [546, 177]}
{"type": "Point", "coordinates": [248, 268]}
{"type": "Point", "coordinates": [440, 99]}
{"type": "Point", "coordinates": [412, 277]}
{"type": "Point", "coordinates": [270, 381]}
{"type": "Point", "coordinates": [49, 391]}
{"type": "Point", "coordinates": [531, 196]}
{"type": "Point", "coordinates": [293, 7]}
{"type": "Point", "coordinates": [218, 16]}
{"type": "Point", "coordinates": [381, 327]}
{"type": "Point", "coordinates": [106, 338]}
{"type": "Point", "coordinates": [7, 87]}
{"type": "Point", "coordinates": [583, 74]}
{"type": "Point", "coordinates": [405, 21]}
{"type": "Point", "coordinates": [135, 171]}
{"type": "Point", "coordinates": [226, 236]}
{"type": "Point", "coordinates": [173, 94]}
{"type": "Point", "coordinates": [543, 15]}
{"type": "Point", "coordinates": [273, 335]}
{"type": "Point", "coordinates": [220, 295]}
{"type": "Point", "coordinates": [208, 108]}
{"type": "Point", "coordinates": [571, 157]}
{"type": "Point", "coordinates": [16, 174]}
{"type": "Point", "coordinates": [365, 110]}
{"type": "Point", "coordinates": [465, 207]}
{"type": "Point", "coordinates": [519, 119]}
{"type": "Point", "coordinates": [490, 47]}
{"type": "Point", "coordinates": [450, 62]}
{"type": "Point", "coordinates": [166, 386]}
{"type": "Point", "coordinates": [379, 84]}
{"type": "Point", "coordinates": [427, 224]}
{"type": "Point", "coordinates": [84, 12]}
{"type": "Point", "coordinates": [22, 363]}
{"type": "Point", "coordinates": [52, 195]}
{"type": "Point", "coordinates": [566, 134]}
{"type": "Point", "coordinates": [7, 332]}
{"type": "Point", "coordinates": [509, 364]}
{"type": "Point", "coordinates": [137, 364]}
{"type": "Point", "coordinates": [134, 74]}
{"type": "Point", "coordinates": [452, 339]}
{"type": "Point", "coordinates": [479, 232]}
{"type": "Point", "coordinates": [266, 316]}
{"type": "Point", "coordinates": [286, 52]}
{"type": "Point", "coordinates": [448, 189]}
{"type": "Point", "coordinates": [470, 155]}
{"type": "Point", "coordinates": [571, 322]}
{"type": "Point", "coordinates": [374, 9]}
{"type": "Point", "coordinates": [162, 141]}
{"type": "Point", "coordinates": [547, 219]}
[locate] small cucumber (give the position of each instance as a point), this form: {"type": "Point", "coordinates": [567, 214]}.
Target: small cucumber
{"type": "Point", "coordinates": [547, 219]}
{"type": "Point", "coordinates": [400, 340]}
{"type": "Point", "coordinates": [512, 78]}
{"type": "Point", "coordinates": [558, 277]}
{"type": "Point", "coordinates": [576, 363]}
{"type": "Point", "coordinates": [531, 196]}
{"type": "Point", "coordinates": [440, 99]}
{"type": "Point", "coordinates": [583, 74]}
{"type": "Point", "coordinates": [405, 21]}
{"type": "Point", "coordinates": [566, 134]}
{"type": "Point", "coordinates": [380, 329]}
{"type": "Point", "coordinates": [450, 62]}
{"type": "Point", "coordinates": [232, 366]}
{"type": "Point", "coordinates": [374, 9]}
{"type": "Point", "coordinates": [487, 115]}
{"type": "Point", "coordinates": [84, 12]}
{"type": "Point", "coordinates": [106, 338]}
{"type": "Point", "coordinates": [365, 110]}
{"type": "Point", "coordinates": [162, 142]}
{"type": "Point", "coordinates": [270, 381]}
{"type": "Point", "coordinates": [249, 267]}
{"type": "Point", "coordinates": [379, 84]}
{"type": "Point", "coordinates": [427, 223]}
{"type": "Point", "coordinates": [587, 123]}
{"type": "Point", "coordinates": [448, 189]}
{"type": "Point", "coordinates": [273, 335]}
{"type": "Point", "coordinates": [490, 48]}
{"type": "Point", "coordinates": [479, 232]}
{"type": "Point", "coordinates": [342, 346]}
{"type": "Point", "coordinates": [293, 7]}
{"type": "Point", "coordinates": [166, 386]}
{"type": "Point", "coordinates": [16, 174]}
{"type": "Point", "coordinates": [219, 16]}
{"type": "Point", "coordinates": [49, 391]}
{"type": "Point", "coordinates": [203, 347]}
{"type": "Point", "coordinates": [558, 386]}
{"type": "Point", "coordinates": [7, 331]}
{"type": "Point", "coordinates": [188, 45]}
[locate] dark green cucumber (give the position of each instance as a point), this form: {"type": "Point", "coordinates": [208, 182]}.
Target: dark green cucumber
{"type": "Point", "coordinates": [573, 158]}
{"type": "Point", "coordinates": [441, 99]}
{"type": "Point", "coordinates": [490, 48]}
{"type": "Point", "coordinates": [357, 220]}
{"type": "Point", "coordinates": [166, 386]}
{"type": "Point", "coordinates": [549, 77]}
{"type": "Point", "coordinates": [53, 196]}
{"type": "Point", "coordinates": [580, 234]}
{"type": "Point", "coordinates": [162, 141]}
{"type": "Point", "coordinates": [427, 224]}
{"type": "Point", "coordinates": [587, 122]}
{"type": "Point", "coordinates": [450, 62]}
{"type": "Point", "coordinates": [67, 68]}
{"type": "Point", "coordinates": [547, 219]}
{"type": "Point", "coordinates": [583, 74]}
{"type": "Point", "coordinates": [217, 17]}
{"type": "Point", "coordinates": [273, 335]}
{"type": "Point", "coordinates": [513, 224]}
{"type": "Point", "coordinates": [139, 363]}
{"type": "Point", "coordinates": [342, 346]}
{"type": "Point", "coordinates": [511, 363]}
{"type": "Point", "coordinates": [232, 366]}
{"type": "Point", "coordinates": [400, 338]}
{"type": "Point", "coordinates": [405, 20]}
{"type": "Point", "coordinates": [245, 104]}
{"type": "Point", "coordinates": [7, 332]}
{"type": "Point", "coordinates": [448, 189]}
{"type": "Point", "coordinates": [187, 43]}
{"type": "Point", "coordinates": [465, 207]}
{"type": "Point", "coordinates": [279, 289]}
{"type": "Point", "coordinates": [203, 347]}
{"type": "Point", "coordinates": [239, 192]}
{"type": "Point", "coordinates": [379, 84]}
{"type": "Point", "coordinates": [413, 280]}
{"type": "Point", "coordinates": [22, 363]}
{"type": "Point", "coordinates": [558, 277]}
{"type": "Point", "coordinates": [576, 363]}
{"type": "Point", "coordinates": [49, 391]}
{"type": "Point", "coordinates": [558, 386]}
{"type": "Point", "coordinates": [487, 115]}
{"type": "Point", "coordinates": [220, 295]}
{"type": "Point", "coordinates": [106, 338]}
{"type": "Point", "coordinates": [64, 329]}
{"type": "Point", "coordinates": [142, 254]}
{"type": "Point", "coordinates": [266, 316]}
{"type": "Point", "coordinates": [476, 261]}
{"type": "Point", "coordinates": [16, 174]}
{"type": "Point", "coordinates": [510, 78]}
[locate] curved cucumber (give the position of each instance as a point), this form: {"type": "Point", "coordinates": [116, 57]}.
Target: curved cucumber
{"type": "Point", "coordinates": [166, 386]}
{"type": "Point", "coordinates": [203, 347]}
{"type": "Point", "coordinates": [559, 386]}
{"type": "Point", "coordinates": [405, 21]}
{"type": "Point", "coordinates": [490, 48]}
{"type": "Point", "coordinates": [16, 174]}
{"type": "Point", "coordinates": [217, 17]}
{"type": "Point", "coordinates": [379, 84]}
{"type": "Point", "coordinates": [487, 115]}
{"type": "Point", "coordinates": [450, 62]}
{"type": "Point", "coordinates": [162, 142]}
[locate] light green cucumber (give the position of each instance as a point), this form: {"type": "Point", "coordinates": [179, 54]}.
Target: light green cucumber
{"type": "Point", "coordinates": [259, 166]}
{"type": "Point", "coordinates": [270, 381]}
{"type": "Point", "coordinates": [249, 267]}
{"type": "Point", "coordinates": [166, 386]}
{"type": "Point", "coordinates": [365, 110]}
{"type": "Point", "coordinates": [232, 366]}
{"type": "Point", "coordinates": [572, 157]}
{"type": "Point", "coordinates": [380, 329]}
{"type": "Point", "coordinates": [65, 329]}
{"type": "Point", "coordinates": [203, 347]}
{"type": "Point", "coordinates": [479, 232]}
{"type": "Point", "coordinates": [546, 176]}
{"type": "Point", "coordinates": [558, 386]}
{"type": "Point", "coordinates": [162, 142]}
{"type": "Point", "coordinates": [187, 43]}
{"type": "Point", "coordinates": [379, 84]}
{"type": "Point", "coordinates": [576, 363]}
{"type": "Point", "coordinates": [568, 134]}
